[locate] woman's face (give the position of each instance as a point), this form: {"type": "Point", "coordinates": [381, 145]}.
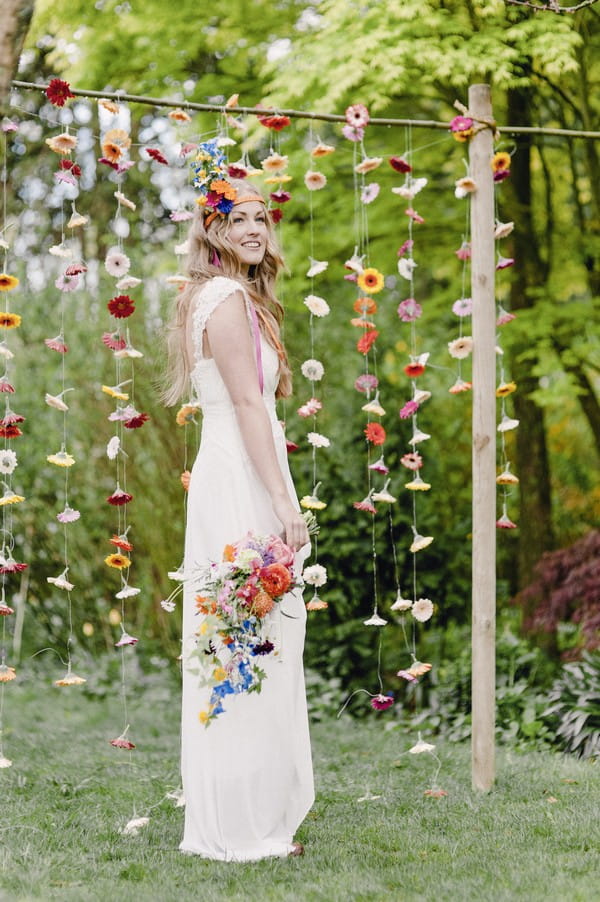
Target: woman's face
{"type": "Point", "coordinates": [248, 231]}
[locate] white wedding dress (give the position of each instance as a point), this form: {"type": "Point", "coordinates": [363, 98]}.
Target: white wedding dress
{"type": "Point", "coordinates": [247, 776]}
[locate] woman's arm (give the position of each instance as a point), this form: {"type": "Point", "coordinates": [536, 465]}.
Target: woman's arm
{"type": "Point", "coordinates": [230, 343]}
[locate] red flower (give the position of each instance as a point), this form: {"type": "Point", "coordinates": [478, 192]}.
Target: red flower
{"type": "Point", "coordinates": [501, 174]}
{"type": "Point", "coordinates": [277, 123]}
{"type": "Point", "coordinates": [413, 370]}
{"type": "Point", "coordinates": [290, 446]}
{"type": "Point", "coordinates": [119, 497]}
{"type": "Point", "coordinates": [275, 579]}
{"type": "Point", "coordinates": [157, 155]}
{"type": "Point", "coordinates": [58, 92]}
{"type": "Point", "coordinates": [11, 418]}
{"type": "Point", "coordinates": [276, 215]}
{"type": "Point", "coordinates": [236, 172]}
{"type": "Point", "coordinates": [136, 421]}
{"type": "Point", "coordinates": [375, 433]}
{"type": "Point", "coordinates": [6, 386]}
{"type": "Point", "coordinates": [281, 196]}
{"type": "Point", "coordinates": [365, 341]}
{"type": "Point", "coordinates": [121, 542]}
{"type": "Point", "coordinates": [13, 567]}
{"type": "Point", "coordinates": [106, 162]}
{"type": "Point", "coordinates": [400, 164]}
{"type": "Point", "coordinates": [10, 431]}
{"type": "Point", "coordinates": [5, 610]}
{"type": "Point", "coordinates": [114, 341]}
{"type": "Point", "coordinates": [365, 505]}
{"type": "Point", "coordinates": [121, 306]}
{"type": "Point", "coordinates": [121, 743]}
{"type": "Point", "coordinates": [414, 215]}
{"type": "Point", "coordinates": [70, 166]}
{"type": "Point", "coordinates": [382, 702]}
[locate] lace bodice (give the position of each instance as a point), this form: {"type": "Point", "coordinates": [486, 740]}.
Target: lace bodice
{"type": "Point", "coordinates": [206, 379]}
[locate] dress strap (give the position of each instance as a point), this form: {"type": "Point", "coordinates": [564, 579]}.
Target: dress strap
{"type": "Point", "coordinates": [256, 331]}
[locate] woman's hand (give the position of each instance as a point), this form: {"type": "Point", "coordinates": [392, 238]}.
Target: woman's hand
{"type": "Point", "coordinates": [295, 532]}
{"type": "Point", "coordinates": [185, 479]}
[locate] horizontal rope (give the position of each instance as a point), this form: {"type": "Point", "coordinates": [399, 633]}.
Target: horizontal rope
{"type": "Point", "coordinates": [301, 114]}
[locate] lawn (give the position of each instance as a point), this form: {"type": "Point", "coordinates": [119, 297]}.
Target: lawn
{"type": "Point", "coordinates": [372, 834]}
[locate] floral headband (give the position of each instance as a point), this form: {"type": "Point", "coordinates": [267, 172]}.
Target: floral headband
{"type": "Point", "coordinates": [218, 196]}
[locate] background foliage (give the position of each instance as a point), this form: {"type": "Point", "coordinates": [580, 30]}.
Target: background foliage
{"type": "Point", "coordinates": [401, 59]}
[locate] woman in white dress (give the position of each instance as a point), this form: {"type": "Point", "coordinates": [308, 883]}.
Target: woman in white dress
{"type": "Point", "coordinates": [247, 776]}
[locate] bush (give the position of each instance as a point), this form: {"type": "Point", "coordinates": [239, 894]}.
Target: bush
{"type": "Point", "coordinates": [575, 706]}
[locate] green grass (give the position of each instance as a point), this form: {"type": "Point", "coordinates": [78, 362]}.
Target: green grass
{"type": "Point", "coordinates": [62, 804]}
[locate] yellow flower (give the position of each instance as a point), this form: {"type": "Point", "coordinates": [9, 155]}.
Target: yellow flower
{"type": "Point", "coordinates": [463, 136]}
{"type": "Point", "coordinates": [203, 716]}
{"type": "Point", "coordinates": [370, 280]}
{"type": "Point", "coordinates": [219, 673]}
{"type": "Point", "coordinates": [311, 502]}
{"type": "Point", "coordinates": [417, 485]}
{"type": "Point", "coordinates": [61, 459]}
{"type": "Point", "coordinates": [11, 498]}
{"type": "Point", "coordinates": [505, 388]}
{"type": "Point", "coordinates": [119, 561]}
{"type": "Point", "coordinates": [278, 179]}
{"type": "Point", "coordinates": [7, 283]}
{"type": "Point", "coordinates": [62, 144]}
{"type": "Point", "coordinates": [500, 161]}
{"type": "Point", "coordinates": [185, 413]}
{"type": "Point", "coordinates": [10, 320]}
{"type": "Point", "coordinates": [115, 393]}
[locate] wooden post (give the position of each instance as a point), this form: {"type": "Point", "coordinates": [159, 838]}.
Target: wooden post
{"type": "Point", "coordinates": [484, 445]}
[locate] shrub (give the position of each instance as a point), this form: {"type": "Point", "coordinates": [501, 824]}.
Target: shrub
{"type": "Point", "coordinates": [575, 706]}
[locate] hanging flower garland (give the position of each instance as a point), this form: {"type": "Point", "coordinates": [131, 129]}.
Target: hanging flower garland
{"type": "Point", "coordinates": [368, 282]}
{"type": "Point", "coordinates": [115, 147]}
{"type": "Point", "coordinates": [314, 575]}
{"type": "Point", "coordinates": [9, 431]}
{"type": "Point", "coordinates": [500, 164]}
{"type": "Point", "coordinates": [69, 279]}
{"type": "Point", "coordinates": [409, 312]}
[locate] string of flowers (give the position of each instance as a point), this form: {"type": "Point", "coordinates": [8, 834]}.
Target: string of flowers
{"type": "Point", "coordinates": [69, 279]}
{"type": "Point", "coordinates": [315, 574]}
{"type": "Point", "coordinates": [368, 281]}
{"type": "Point", "coordinates": [500, 164]}
{"type": "Point", "coordinates": [115, 145]}
{"type": "Point", "coordinates": [9, 430]}
{"type": "Point", "coordinates": [409, 311]}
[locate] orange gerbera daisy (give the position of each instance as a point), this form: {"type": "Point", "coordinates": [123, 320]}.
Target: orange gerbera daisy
{"type": "Point", "coordinates": [262, 603]}
{"type": "Point", "coordinates": [365, 305]}
{"type": "Point", "coordinates": [121, 543]}
{"type": "Point", "coordinates": [111, 151]}
{"type": "Point", "coordinates": [370, 280]}
{"type": "Point", "coordinates": [366, 341]}
{"type": "Point", "coordinates": [224, 188]}
{"type": "Point", "coordinates": [179, 115]}
{"type": "Point", "coordinates": [375, 433]}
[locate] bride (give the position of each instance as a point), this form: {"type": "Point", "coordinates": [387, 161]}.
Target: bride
{"type": "Point", "coordinates": [247, 776]}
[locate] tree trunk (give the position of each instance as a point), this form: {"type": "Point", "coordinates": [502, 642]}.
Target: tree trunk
{"type": "Point", "coordinates": [15, 17]}
{"type": "Point", "coordinates": [530, 272]}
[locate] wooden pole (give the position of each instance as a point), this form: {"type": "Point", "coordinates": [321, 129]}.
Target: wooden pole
{"type": "Point", "coordinates": [484, 445]}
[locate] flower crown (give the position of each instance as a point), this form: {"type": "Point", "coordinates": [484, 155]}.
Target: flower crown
{"type": "Point", "coordinates": [217, 195]}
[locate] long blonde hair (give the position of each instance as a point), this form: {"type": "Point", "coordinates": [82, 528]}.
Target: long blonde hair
{"type": "Point", "coordinates": [259, 285]}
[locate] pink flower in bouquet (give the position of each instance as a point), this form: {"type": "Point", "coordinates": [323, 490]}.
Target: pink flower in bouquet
{"type": "Point", "coordinates": [278, 552]}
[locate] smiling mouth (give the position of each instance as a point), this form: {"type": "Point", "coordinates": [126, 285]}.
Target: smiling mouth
{"type": "Point", "coordinates": [253, 245]}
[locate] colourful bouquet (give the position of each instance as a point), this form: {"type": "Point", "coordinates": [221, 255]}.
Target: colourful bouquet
{"type": "Point", "coordinates": [237, 595]}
